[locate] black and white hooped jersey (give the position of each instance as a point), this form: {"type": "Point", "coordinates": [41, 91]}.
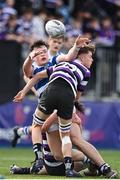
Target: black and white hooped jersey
{"type": "Point", "coordinates": [76, 74]}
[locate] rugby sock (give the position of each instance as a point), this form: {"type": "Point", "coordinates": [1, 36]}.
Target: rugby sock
{"type": "Point", "coordinates": [37, 148]}
{"type": "Point", "coordinates": [86, 160]}
{"type": "Point", "coordinates": [104, 168]}
{"type": "Point", "coordinates": [68, 163]}
{"type": "Point", "coordinates": [24, 131]}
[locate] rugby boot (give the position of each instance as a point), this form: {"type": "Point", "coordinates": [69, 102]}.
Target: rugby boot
{"type": "Point", "coordinates": [71, 174]}
{"type": "Point", "coordinates": [107, 172]}
{"type": "Point", "coordinates": [92, 170]}
{"type": "Point", "coordinates": [19, 170]}
{"type": "Point", "coordinates": [16, 137]}
{"type": "Point", "coordinates": [112, 175]}
{"type": "Point", "coordinates": [37, 166]}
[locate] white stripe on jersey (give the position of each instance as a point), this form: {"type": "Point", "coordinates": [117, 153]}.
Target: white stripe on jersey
{"type": "Point", "coordinates": [84, 83]}
{"type": "Point", "coordinates": [75, 82]}
{"type": "Point", "coordinates": [80, 73]}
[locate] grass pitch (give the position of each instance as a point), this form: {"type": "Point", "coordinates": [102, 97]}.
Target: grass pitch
{"type": "Point", "coordinates": [23, 157]}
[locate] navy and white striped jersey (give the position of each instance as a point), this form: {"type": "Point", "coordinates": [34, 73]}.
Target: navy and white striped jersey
{"type": "Point", "coordinates": [74, 73]}
{"type": "Point", "coordinates": [48, 157]}
{"type": "Point", "coordinates": [42, 84]}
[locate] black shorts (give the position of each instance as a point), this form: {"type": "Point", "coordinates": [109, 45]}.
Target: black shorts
{"type": "Point", "coordinates": [56, 171]}
{"type": "Point", "coordinates": [58, 95]}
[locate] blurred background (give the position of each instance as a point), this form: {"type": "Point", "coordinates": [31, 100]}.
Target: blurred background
{"type": "Point", "coordinates": [22, 22]}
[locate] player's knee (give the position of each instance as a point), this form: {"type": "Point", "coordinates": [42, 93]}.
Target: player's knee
{"type": "Point", "coordinates": [37, 120]}
{"type": "Point", "coordinates": [64, 128]}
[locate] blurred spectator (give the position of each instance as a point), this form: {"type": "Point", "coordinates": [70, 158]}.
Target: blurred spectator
{"type": "Point", "coordinates": [2, 23]}
{"type": "Point", "coordinates": [94, 8]}
{"type": "Point", "coordinates": [117, 28]}
{"type": "Point", "coordinates": [74, 28]}
{"type": "Point", "coordinates": [59, 6]}
{"type": "Point", "coordinates": [50, 5]}
{"type": "Point", "coordinates": [26, 29]}
{"type": "Point", "coordinates": [93, 28]}
{"type": "Point", "coordinates": [65, 10]}
{"type": "Point", "coordinates": [107, 33]}
{"type": "Point", "coordinates": [9, 9]}
{"type": "Point", "coordinates": [116, 2]}
{"type": "Point", "coordinates": [68, 43]}
{"type": "Point", "coordinates": [21, 5]}
{"type": "Point", "coordinates": [12, 30]}
{"type": "Point", "coordinates": [37, 5]}
{"type": "Point", "coordinates": [38, 25]}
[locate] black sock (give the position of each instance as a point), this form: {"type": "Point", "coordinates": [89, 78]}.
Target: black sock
{"type": "Point", "coordinates": [104, 169]}
{"type": "Point", "coordinates": [68, 163]}
{"type": "Point", "coordinates": [37, 148]}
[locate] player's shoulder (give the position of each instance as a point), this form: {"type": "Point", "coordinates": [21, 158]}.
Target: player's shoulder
{"type": "Point", "coordinates": [85, 71]}
{"type": "Point", "coordinates": [37, 68]}
{"type": "Point", "coordinates": [53, 59]}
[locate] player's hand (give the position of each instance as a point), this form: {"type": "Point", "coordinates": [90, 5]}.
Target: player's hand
{"type": "Point", "coordinates": [19, 97]}
{"type": "Point", "coordinates": [76, 119]}
{"type": "Point", "coordinates": [79, 106]}
{"type": "Point", "coordinates": [33, 54]}
{"type": "Point", "coordinates": [82, 41]}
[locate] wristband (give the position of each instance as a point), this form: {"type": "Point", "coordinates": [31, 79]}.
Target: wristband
{"type": "Point", "coordinates": [76, 48]}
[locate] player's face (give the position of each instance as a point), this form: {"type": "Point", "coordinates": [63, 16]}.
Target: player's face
{"type": "Point", "coordinates": [87, 59]}
{"type": "Point", "coordinates": [55, 44]}
{"type": "Point", "coordinates": [42, 58]}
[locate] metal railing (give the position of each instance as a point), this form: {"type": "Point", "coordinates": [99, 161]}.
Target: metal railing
{"type": "Point", "coordinates": [105, 76]}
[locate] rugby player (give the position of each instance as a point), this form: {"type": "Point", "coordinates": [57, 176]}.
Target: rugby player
{"type": "Point", "coordinates": [44, 57]}
{"type": "Point", "coordinates": [76, 72]}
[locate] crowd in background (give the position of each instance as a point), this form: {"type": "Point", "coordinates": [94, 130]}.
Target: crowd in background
{"type": "Point", "coordinates": [23, 21]}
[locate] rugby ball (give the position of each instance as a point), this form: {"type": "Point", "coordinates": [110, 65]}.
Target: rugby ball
{"type": "Point", "coordinates": [55, 28]}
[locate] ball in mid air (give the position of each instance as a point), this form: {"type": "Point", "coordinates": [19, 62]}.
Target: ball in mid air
{"type": "Point", "coordinates": [55, 28]}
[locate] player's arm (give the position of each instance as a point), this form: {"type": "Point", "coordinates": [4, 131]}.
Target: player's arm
{"type": "Point", "coordinates": [78, 95]}
{"type": "Point", "coordinates": [26, 79]}
{"type": "Point", "coordinates": [27, 65]}
{"type": "Point", "coordinates": [21, 94]}
{"type": "Point", "coordinates": [79, 42]}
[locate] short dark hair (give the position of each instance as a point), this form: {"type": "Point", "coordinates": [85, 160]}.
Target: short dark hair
{"type": "Point", "coordinates": [38, 44]}
{"type": "Point", "coordinates": [87, 48]}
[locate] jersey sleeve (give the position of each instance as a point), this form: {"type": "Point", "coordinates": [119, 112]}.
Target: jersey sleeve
{"type": "Point", "coordinates": [82, 85]}
{"type": "Point", "coordinates": [54, 60]}
{"type": "Point", "coordinates": [49, 70]}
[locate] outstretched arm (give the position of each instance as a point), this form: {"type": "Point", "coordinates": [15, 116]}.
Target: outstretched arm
{"type": "Point", "coordinates": [27, 65]}
{"type": "Point", "coordinates": [72, 54]}
{"type": "Point", "coordinates": [26, 79]}
{"type": "Point", "coordinates": [21, 94]}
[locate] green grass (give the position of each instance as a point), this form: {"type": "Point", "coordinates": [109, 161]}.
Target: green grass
{"type": "Point", "coordinates": [23, 157]}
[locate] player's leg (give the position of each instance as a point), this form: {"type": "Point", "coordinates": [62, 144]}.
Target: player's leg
{"type": "Point", "coordinates": [14, 169]}
{"type": "Point", "coordinates": [55, 144]}
{"type": "Point", "coordinates": [64, 130]}
{"type": "Point", "coordinates": [91, 152]}
{"type": "Point", "coordinates": [38, 119]}
{"type": "Point", "coordinates": [20, 132]}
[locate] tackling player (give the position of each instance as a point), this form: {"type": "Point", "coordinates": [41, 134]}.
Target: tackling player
{"type": "Point", "coordinates": [76, 73]}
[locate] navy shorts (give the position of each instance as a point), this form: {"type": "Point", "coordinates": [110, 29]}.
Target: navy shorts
{"type": "Point", "coordinates": [56, 171]}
